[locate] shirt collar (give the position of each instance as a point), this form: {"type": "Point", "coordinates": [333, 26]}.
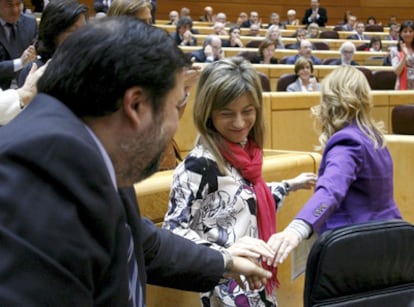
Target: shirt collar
{"type": "Point", "coordinates": [105, 156]}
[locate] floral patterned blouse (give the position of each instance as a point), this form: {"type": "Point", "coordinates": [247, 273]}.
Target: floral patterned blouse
{"type": "Point", "coordinates": [216, 210]}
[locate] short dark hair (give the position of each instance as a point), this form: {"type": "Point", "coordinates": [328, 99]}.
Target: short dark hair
{"type": "Point", "coordinates": [92, 68]}
{"type": "Point", "coordinates": [57, 17]}
{"type": "Point", "coordinates": [183, 21]}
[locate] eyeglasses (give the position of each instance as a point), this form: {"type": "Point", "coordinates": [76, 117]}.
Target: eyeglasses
{"type": "Point", "coordinates": [183, 101]}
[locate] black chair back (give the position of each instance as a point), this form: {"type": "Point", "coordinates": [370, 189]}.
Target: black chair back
{"type": "Point", "coordinates": [329, 34]}
{"type": "Point", "coordinates": [365, 265]}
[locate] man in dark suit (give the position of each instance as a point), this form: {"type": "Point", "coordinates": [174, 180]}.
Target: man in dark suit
{"type": "Point", "coordinates": [315, 14]}
{"type": "Point", "coordinates": [359, 35]}
{"type": "Point", "coordinates": [70, 229]}
{"type": "Point", "coordinates": [211, 51]}
{"type": "Point", "coordinates": [16, 38]}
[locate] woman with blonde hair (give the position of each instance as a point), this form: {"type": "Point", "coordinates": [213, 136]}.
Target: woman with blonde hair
{"type": "Point", "coordinates": [218, 195]}
{"type": "Point", "coordinates": [273, 34]}
{"type": "Point", "coordinates": [140, 9]}
{"type": "Point", "coordinates": [355, 180]}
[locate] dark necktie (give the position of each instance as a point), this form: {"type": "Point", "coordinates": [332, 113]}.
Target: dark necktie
{"type": "Point", "coordinates": [135, 295]}
{"type": "Point", "coordinates": [12, 32]}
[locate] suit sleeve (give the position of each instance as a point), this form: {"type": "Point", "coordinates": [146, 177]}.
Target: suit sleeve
{"type": "Point", "coordinates": [173, 261]}
{"type": "Point", "coordinates": [58, 221]}
{"type": "Point", "coordinates": [345, 157]}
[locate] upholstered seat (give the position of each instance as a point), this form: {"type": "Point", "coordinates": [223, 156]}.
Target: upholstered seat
{"type": "Point", "coordinates": [255, 43]}
{"type": "Point", "coordinates": [284, 81]}
{"type": "Point", "coordinates": [384, 79]}
{"type": "Point", "coordinates": [402, 119]}
{"type": "Point", "coordinates": [365, 265]}
{"type": "Point", "coordinates": [329, 34]}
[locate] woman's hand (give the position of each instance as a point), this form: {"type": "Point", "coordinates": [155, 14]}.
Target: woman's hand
{"type": "Point", "coordinates": [303, 181]}
{"type": "Point", "coordinates": [282, 244]}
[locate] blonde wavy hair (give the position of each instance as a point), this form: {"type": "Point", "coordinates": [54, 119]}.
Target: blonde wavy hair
{"type": "Point", "coordinates": [346, 97]}
{"type": "Point", "coordinates": [220, 84]}
{"type": "Point", "coordinates": [127, 7]}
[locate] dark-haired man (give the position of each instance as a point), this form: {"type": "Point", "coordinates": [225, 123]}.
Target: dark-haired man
{"type": "Point", "coordinates": [16, 38]}
{"type": "Point", "coordinates": [70, 229]}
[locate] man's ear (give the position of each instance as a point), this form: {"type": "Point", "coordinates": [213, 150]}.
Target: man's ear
{"type": "Point", "coordinates": [135, 105]}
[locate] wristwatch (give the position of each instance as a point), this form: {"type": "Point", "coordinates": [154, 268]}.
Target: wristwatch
{"type": "Point", "coordinates": [286, 186]}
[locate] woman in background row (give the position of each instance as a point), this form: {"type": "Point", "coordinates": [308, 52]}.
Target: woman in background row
{"type": "Point", "coordinates": [265, 53]}
{"type": "Point", "coordinates": [273, 34]}
{"type": "Point", "coordinates": [218, 194]}
{"type": "Point", "coordinates": [234, 38]}
{"type": "Point", "coordinates": [59, 19]}
{"type": "Point", "coordinates": [402, 59]}
{"type": "Point", "coordinates": [140, 9]}
{"type": "Point", "coordinates": [305, 81]}
{"type": "Point", "coordinates": [355, 180]}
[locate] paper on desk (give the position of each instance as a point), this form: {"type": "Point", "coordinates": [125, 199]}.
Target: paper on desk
{"type": "Point", "coordinates": [300, 256]}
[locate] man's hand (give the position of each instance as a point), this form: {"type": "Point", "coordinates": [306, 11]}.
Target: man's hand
{"type": "Point", "coordinates": [28, 55]}
{"type": "Point", "coordinates": [247, 254]}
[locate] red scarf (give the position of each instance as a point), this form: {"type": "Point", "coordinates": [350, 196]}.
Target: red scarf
{"type": "Point", "coordinates": [248, 161]}
{"type": "Point", "coordinates": [403, 82]}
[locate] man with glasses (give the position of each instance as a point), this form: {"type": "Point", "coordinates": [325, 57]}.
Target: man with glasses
{"type": "Point", "coordinates": [347, 51]}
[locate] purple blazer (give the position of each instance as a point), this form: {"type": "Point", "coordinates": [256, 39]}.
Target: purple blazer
{"type": "Point", "coordinates": [355, 183]}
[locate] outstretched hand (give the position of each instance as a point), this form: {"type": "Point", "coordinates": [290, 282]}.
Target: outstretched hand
{"type": "Point", "coordinates": [247, 253]}
{"type": "Point", "coordinates": [282, 244]}
{"type": "Point", "coordinates": [303, 181]}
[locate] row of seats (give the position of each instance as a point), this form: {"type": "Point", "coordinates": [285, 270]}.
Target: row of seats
{"type": "Point", "coordinates": [377, 79]}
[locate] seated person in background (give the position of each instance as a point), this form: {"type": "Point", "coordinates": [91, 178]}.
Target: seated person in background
{"type": "Point", "coordinates": [359, 29]}
{"type": "Point", "coordinates": [183, 35]}
{"type": "Point", "coordinates": [242, 18]}
{"type": "Point", "coordinates": [218, 194]}
{"type": "Point", "coordinates": [355, 180]}
{"type": "Point", "coordinates": [313, 31]}
{"type": "Point", "coordinates": [350, 24]}
{"type": "Point", "coordinates": [291, 19]}
{"type": "Point", "coordinates": [234, 38]}
{"type": "Point", "coordinates": [221, 17]}
{"type": "Point", "coordinates": [300, 34]}
{"type": "Point", "coordinates": [371, 20]}
{"type": "Point", "coordinates": [266, 53]}
{"type": "Point", "coordinates": [305, 50]}
{"type": "Point", "coordinates": [13, 101]}
{"type": "Point", "coordinates": [254, 30]}
{"type": "Point", "coordinates": [273, 33]}
{"type": "Point", "coordinates": [185, 12]}
{"type": "Point", "coordinates": [173, 18]}
{"type": "Point", "coordinates": [208, 15]}
{"type": "Point", "coordinates": [375, 44]}
{"type": "Point", "coordinates": [393, 20]}
{"type": "Point", "coordinates": [218, 28]}
{"type": "Point", "coordinates": [393, 33]}
{"type": "Point", "coordinates": [59, 19]}
{"type": "Point", "coordinates": [210, 52]}
{"type": "Point", "coordinates": [305, 81]}
{"type": "Point", "coordinates": [274, 20]}
{"type": "Point", "coordinates": [138, 9]}
{"type": "Point", "coordinates": [347, 51]}
{"type": "Point", "coordinates": [315, 14]}
{"type": "Point", "coordinates": [253, 19]}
